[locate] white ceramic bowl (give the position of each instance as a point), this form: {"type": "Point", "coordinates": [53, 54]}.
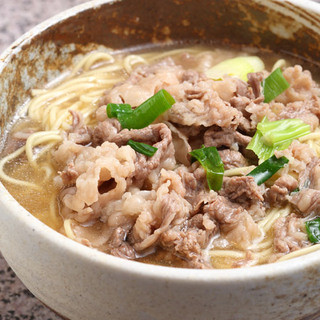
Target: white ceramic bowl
{"type": "Point", "coordinates": [83, 284]}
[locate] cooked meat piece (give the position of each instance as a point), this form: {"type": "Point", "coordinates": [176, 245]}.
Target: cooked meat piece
{"type": "Point", "coordinates": [235, 223]}
{"type": "Point", "coordinates": [230, 87]}
{"type": "Point", "coordinates": [168, 224]}
{"type": "Point", "coordinates": [303, 110]}
{"type": "Point", "coordinates": [106, 130]}
{"type": "Point", "coordinates": [197, 103]}
{"type": "Point", "coordinates": [226, 138]}
{"type": "Point", "coordinates": [310, 177]}
{"type": "Point", "coordinates": [194, 181]}
{"type": "Point", "coordinates": [302, 87]}
{"type": "Point", "coordinates": [315, 174]}
{"type": "Point", "coordinates": [232, 159]}
{"type": "Point", "coordinates": [245, 191]}
{"type": "Point", "coordinates": [79, 132]}
{"type": "Point", "coordinates": [158, 135]}
{"type": "Point", "coordinates": [119, 247]}
{"type": "Point", "coordinates": [279, 193]}
{"type": "Point", "coordinates": [168, 209]}
{"type": "Point", "coordinates": [181, 145]}
{"type": "Point", "coordinates": [94, 166]}
{"type": "Point", "coordinates": [299, 155]}
{"type": "Point", "coordinates": [254, 81]}
{"type": "Point", "coordinates": [143, 83]}
{"type": "Point", "coordinates": [207, 109]}
{"type": "Point", "coordinates": [164, 156]}
{"type": "Point", "coordinates": [69, 175]}
{"type": "Point", "coordinates": [250, 104]}
{"type": "Point", "coordinates": [307, 201]}
{"type": "Point", "coordinates": [290, 234]}
{"type": "Point", "coordinates": [242, 190]}
{"type": "Point", "coordinates": [187, 244]}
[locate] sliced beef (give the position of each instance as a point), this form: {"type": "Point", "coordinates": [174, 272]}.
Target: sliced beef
{"type": "Point", "coordinates": [69, 175]}
{"type": "Point", "coordinates": [299, 155]}
{"type": "Point", "coordinates": [232, 159]}
{"type": "Point", "coordinates": [105, 130]}
{"type": "Point", "coordinates": [280, 191]}
{"type": "Point", "coordinates": [204, 107]}
{"type": "Point", "coordinates": [182, 147]}
{"type": "Point", "coordinates": [310, 177]}
{"type": "Point", "coordinates": [187, 244]}
{"type": "Point", "coordinates": [79, 132]}
{"type": "Point", "coordinates": [254, 81]}
{"type": "Point", "coordinates": [157, 135]}
{"type": "Point", "coordinates": [235, 223]}
{"type": "Point", "coordinates": [169, 208]}
{"type": "Point", "coordinates": [307, 201]}
{"type": "Point", "coordinates": [144, 82]}
{"type": "Point", "coordinates": [226, 138]}
{"type": "Point", "coordinates": [119, 246]}
{"type": "Point", "coordinates": [197, 102]}
{"type": "Point", "coordinates": [290, 234]}
{"type": "Point", "coordinates": [194, 181]}
{"type": "Point", "coordinates": [302, 87]}
{"type": "Point", "coordinates": [93, 167]}
{"type": "Point", "coordinates": [242, 190]}
{"type": "Point", "coordinates": [303, 110]}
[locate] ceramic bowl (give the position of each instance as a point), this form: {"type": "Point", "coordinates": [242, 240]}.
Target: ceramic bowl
{"type": "Point", "coordinates": [82, 284]}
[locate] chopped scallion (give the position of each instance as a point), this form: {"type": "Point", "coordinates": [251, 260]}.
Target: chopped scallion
{"type": "Point", "coordinates": [238, 67]}
{"type": "Point", "coordinates": [313, 230]}
{"type": "Point", "coordinates": [276, 135]}
{"type": "Point", "coordinates": [267, 169]}
{"type": "Point", "coordinates": [143, 115]}
{"type": "Point", "coordinates": [210, 160]}
{"type": "Point", "coordinates": [114, 109]}
{"type": "Point", "coordinates": [142, 148]}
{"type": "Point", "coordinates": [274, 85]}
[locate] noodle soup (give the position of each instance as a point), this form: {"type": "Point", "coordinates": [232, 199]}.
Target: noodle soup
{"type": "Point", "coordinates": [158, 157]}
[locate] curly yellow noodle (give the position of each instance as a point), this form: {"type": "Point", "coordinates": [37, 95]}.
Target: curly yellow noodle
{"type": "Point", "coordinates": [300, 252]}
{"type": "Point", "coordinates": [228, 254]}
{"type": "Point", "coordinates": [40, 138]}
{"type": "Point", "coordinates": [238, 171]}
{"type": "Point", "coordinates": [9, 179]}
{"type": "Point", "coordinates": [53, 210]}
{"type": "Point", "coordinates": [132, 61]}
{"type": "Point", "coordinates": [68, 229]}
{"type": "Point", "coordinates": [89, 60]}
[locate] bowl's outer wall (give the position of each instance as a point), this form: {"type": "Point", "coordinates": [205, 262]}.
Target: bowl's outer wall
{"type": "Point", "coordinates": [69, 279]}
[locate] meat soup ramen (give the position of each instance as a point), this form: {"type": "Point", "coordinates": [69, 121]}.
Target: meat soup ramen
{"type": "Point", "coordinates": [199, 158]}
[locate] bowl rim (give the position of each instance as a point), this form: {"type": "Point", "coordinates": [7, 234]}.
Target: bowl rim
{"type": "Point", "coordinates": [104, 260]}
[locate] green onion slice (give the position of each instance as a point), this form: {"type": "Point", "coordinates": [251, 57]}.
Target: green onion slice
{"type": "Point", "coordinates": [210, 160]}
{"type": "Point", "coordinates": [143, 148]}
{"type": "Point", "coordinates": [237, 67]}
{"type": "Point", "coordinates": [143, 115]}
{"type": "Point", "coordinates": [274, 85]}
{"type": "Point", "coordinates": [114, 109]}
{"type": "Point", "coordinates": [313, 230]}
{"type": "Point", "coordinates": [267, 169]}
{"type": "Point", "coordinates": [276, 135]}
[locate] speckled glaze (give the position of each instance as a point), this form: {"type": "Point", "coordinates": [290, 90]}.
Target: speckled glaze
{"type": "Point", "coordinates": [82, 284]}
